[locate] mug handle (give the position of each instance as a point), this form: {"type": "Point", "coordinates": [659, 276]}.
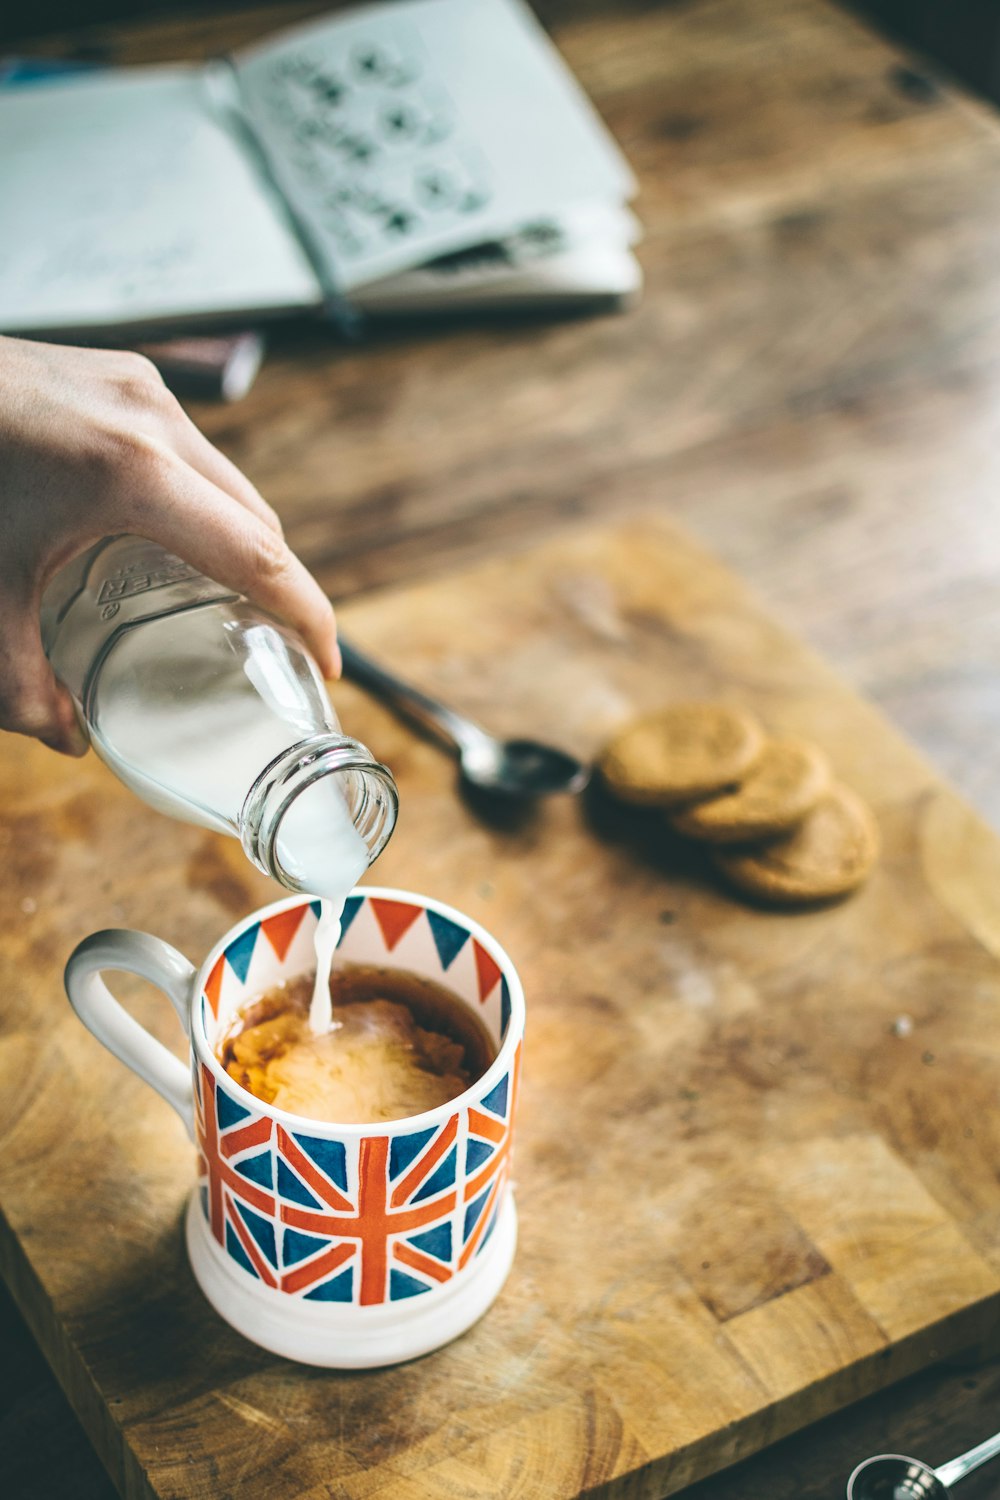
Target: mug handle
{"type": "Point", "coordinates": [151, 958]}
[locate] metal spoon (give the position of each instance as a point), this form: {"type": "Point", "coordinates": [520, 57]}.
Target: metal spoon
{"type": "Point", "coordinates": [890, 1476]}
{"type": "Point", "coordinates": [510, 768]}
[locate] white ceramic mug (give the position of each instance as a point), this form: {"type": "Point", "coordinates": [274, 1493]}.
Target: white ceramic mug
{"type": "Point", "coordinates": [338, 1245]}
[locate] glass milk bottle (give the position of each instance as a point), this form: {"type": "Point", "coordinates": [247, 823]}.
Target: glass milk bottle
{"type": "Point", "coordinates": [213, 712]}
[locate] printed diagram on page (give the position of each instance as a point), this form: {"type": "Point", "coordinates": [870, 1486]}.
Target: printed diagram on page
{"type": "Point", "coordinates": [381, 135]}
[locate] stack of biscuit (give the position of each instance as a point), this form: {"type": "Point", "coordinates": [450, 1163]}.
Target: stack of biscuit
{"type": "Point", "coordinates": [780, 827]}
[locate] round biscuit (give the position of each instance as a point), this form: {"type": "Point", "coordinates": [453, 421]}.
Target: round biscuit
{"type": "Point", "coordinates": [678, 754]}
{"type": "Point", "coordinates": [828, 855]}
{"type": "Point", "coordinates": [775, 795]}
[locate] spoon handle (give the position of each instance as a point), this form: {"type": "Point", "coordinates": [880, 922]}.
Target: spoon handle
{"type": "Point", "coordinates": [407, 700]}
{"type": "Point", "coordinates": [950, 1473]}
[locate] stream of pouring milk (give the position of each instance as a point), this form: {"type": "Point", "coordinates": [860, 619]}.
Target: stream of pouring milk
{"type": "Point", "coordinates": [320, 847]}
{"type": "Point", "coordinates": [326, 940]}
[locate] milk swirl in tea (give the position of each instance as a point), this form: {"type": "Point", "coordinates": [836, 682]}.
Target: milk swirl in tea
{"type": "Point", "coordinates": [397, 1045]}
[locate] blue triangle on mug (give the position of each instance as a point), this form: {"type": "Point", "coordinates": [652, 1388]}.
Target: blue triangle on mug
{"type": "Point", "coordinates": [352, 906]}
{"type": "Point", "coordinates": [240, 952]}
{"type": "Point", "coordinates": [329, 1156]}
{"type": "Point", "coordinates": [401, 1285]}
{"type": "Point", "coordinates": [449, 938]}
{"type": "Point", "coordinates": [291, 1188]}
{"type": "Point", "coordinates": [489, 1230]}
{"type": "Point", "coordinates": [296, 1246]}
{"type": "Point", "coordinates": [238, 1253]}
{"type": "Point", "coordinates": [473, 1211]}
{"type": "Point", "coordinates": [406, 1148]}
{"type": "Point", "coordinates": [261, 1229]}
{"type": "Point", "coordinates": [228, 1110]}
{"type": "Point", "coordinates": [443, 1177]}
{"type": "Point", "coordinates": [257, 1169]}
{"type": "Point", "coordinates": [436, 1242]}
{"type": "Point", "coordinates": [477, 1152]}
{"type": "Point", "coordinates": [339, 1289]}
{"type": "Point", "coordinates": [496, 1100]}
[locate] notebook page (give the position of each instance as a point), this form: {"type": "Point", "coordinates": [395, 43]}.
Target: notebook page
{"type": "Point", "coordinates": [126, 201]}
{"type": "Point", "coordinates": [407, 130]}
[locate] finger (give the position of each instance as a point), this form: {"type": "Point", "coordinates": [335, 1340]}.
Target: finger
{"type": "Point", "coordinates": [32, 702]}
{"type": "Point", "coordinates": [141, 390]}
{"type": "Point", "coordinates": [176, 506]}
{"type": "Point", "coordinates": [193, 446]}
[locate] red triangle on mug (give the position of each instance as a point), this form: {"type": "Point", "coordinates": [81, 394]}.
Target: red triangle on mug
{"type": "Point", "coordinates": [487, 970]}
{"type": "Point", "coordinates": [281, 929]}
{"type": "Point", "coordinates": [213, 984]}
{"type": "Point", "coordinates": [394, 918]}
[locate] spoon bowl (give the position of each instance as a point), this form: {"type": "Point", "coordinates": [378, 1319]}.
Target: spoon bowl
{"type": "Point", "coordinates": [892, 1476]}
{"type": "Point", "coordinates": [521, 768]}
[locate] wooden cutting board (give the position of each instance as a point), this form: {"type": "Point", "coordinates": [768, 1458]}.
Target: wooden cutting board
{"type": "Point", "coordinates": [758, 1152]}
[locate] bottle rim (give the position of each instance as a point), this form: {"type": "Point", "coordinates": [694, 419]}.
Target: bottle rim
{"type": "Point", "coordinates": [293, 772]}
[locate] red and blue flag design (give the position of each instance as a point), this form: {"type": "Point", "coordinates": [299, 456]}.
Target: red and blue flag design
{"type": "Point", "coordinates": [236, 1177]}
{"type": "Point", "coordinates": [487, 1162]}
{"type": "Point", "coordinates": [377, 1233]}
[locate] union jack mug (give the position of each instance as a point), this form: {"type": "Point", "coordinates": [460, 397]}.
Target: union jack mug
{"type": "Point", "coordinates": [339, 1245]}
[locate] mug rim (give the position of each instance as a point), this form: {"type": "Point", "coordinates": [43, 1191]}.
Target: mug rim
{"type": "Point", "coordinates": [497, 1070]}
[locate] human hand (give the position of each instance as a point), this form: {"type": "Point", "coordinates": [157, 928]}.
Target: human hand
{"type": "Point", "coordinates": [92, 444]}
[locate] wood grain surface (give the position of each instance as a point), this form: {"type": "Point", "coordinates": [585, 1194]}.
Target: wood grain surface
{"type": "Point", "coordinates": [810, 383]}
{"type": "Point", "coordinates": [749, 1194]}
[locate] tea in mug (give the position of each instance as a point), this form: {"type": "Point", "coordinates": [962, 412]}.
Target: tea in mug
{"type": "Point", "coordinates": [399, 1044]}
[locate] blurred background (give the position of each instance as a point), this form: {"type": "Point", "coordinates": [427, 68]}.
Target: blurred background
{"type": "Point", "coordinates": [963, 35]}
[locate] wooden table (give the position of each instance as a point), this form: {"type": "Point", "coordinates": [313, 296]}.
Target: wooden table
{"type": "Point", "coordinates": [809, 384]}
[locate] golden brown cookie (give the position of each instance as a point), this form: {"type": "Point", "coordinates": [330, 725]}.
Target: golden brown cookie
{"type": "Point", "coordinates": [773, 798]}
{"type": "Point", "coordinates": [681, 753]}
{"type": "Point", "coordinates": [829, 854]}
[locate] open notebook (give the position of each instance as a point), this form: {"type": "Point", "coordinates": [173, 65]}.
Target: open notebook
{"type": "Point", "coordinates": [410, 155]}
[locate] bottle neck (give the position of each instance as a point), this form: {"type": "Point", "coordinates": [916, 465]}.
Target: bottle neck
{"type": "Point", "coordinates": [320, 805]}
